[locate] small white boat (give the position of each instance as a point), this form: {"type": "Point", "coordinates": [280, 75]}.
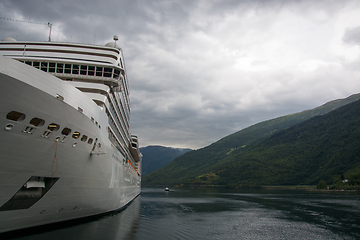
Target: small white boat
{"type": "Point", "coordinates": [166, 189]}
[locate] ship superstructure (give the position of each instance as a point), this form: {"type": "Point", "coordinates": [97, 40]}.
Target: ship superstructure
{"type": "Point", "coordinates": [66, 150]}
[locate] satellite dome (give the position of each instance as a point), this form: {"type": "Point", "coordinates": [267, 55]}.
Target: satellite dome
{"type": "Point", "coordinates": [113, 44]}
{"type": "Point", "coordinates": [9, 39]}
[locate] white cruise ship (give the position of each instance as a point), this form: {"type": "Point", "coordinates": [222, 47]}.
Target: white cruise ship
{"type": "Point", "coordinates": [65, 147]}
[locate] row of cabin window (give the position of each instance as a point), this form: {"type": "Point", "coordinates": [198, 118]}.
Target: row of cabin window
{"type": "Point", "coordinates": [68, 68]}
{"type": "Point", "coordinates": [52, 127]}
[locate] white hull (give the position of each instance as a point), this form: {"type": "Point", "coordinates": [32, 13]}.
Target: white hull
{"type": "Point", "coordinates": [79, 183]}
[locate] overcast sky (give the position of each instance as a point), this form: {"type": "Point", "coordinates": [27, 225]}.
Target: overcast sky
{"type": "Point", "coordinates": [200, 70]}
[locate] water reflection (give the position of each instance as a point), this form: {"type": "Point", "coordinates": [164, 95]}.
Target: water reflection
{"type": "Point", "coordinates": [119, 225]}
{"type": "Point", "coordinates": [219, 214]}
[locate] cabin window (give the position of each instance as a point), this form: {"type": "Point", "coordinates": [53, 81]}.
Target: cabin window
{"type": "Point", "coordinates": [84, 138]}
{"type": "Point", "coordinates": [76, 135]}
{"type": "Point", "coordinates": [28, 63]}
{"type": "Point", "coordinates": [66, 131]}
{"type": "Point", "coordinates": [44, 66]}
{"type": "Point", "coordinates": [36, 64]}
{"type": "Point", "coordinates": [53, 127]}
{"type": "Point", "coordinates": [116, 73]}
{"type": "Point", "coordinates": [37, 122]}
{"type": "Point", "coordinates": [51, 67]}
{"type": "Point", "coordinates": [60, 68]}
{"type": "Point", "coordinates": [75, 69]}
{"type": "Point", "coordinates": [67, 68]}
{"type": "Point", "coordinates": [83, 69]}
{"type": "Point", "coordinates": [90, 141]}
{"type": "Point", "coordinates": [15, 116]}
{"type": "Point", "coordinates": [91, 71]}
{"type": "Point", "coordinates": [107, 72]}
{"type": "Point", "coordinates": [99, 71]}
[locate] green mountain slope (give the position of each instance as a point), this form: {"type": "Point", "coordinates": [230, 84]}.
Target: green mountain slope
{"type": "Point", "coordinates": [211, 158]}
{"type": "Point", "coordinates": [155, 157]}
{"type": "Point", "coordinates": [320, 148]}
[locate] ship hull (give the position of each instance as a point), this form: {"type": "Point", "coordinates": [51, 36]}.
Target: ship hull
{"type": "Point", "coordinates": [77, 178]}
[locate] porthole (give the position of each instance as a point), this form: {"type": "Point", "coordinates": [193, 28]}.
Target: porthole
{"type": "Point", "coordinates": [76, 135]}
{"type": "Point", "coordinates": [90, 141]}
{"type": "Point", "coordinates": [37, 122]}
{"type": "Point", "coordinates": [9, 126]}
{"type": "Point", "coordinates": [84, 138]}
{"type": "Point", "coordinates": [15, 116]}
{"type": "Point", "coordinates": [53, 127]}
{"type": "Point", "coordinates": [66, 131]}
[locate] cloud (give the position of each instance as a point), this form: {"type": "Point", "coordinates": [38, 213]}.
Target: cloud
{"type": "Point", "coordinates": [200, 70]}
{"type": "Point", "coordinates": [352, 36]}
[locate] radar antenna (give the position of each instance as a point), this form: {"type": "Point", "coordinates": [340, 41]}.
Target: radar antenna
{"type": "Point", "coordinates": [116, 38]}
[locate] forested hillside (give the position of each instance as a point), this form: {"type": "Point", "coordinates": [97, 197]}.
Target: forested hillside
{"type": "Point", "coordinates": [255, 155]}
{"type": "Point", "coordinates": [322, 147]}
{"type": "Point", "coordinates": [155, 157]}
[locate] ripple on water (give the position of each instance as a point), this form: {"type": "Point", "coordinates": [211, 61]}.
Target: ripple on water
{"type": "Point", "coordinates": [212, 214]}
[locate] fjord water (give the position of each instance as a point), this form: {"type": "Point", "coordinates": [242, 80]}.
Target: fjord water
{"type": "Point", "coordinates": [220, 214]}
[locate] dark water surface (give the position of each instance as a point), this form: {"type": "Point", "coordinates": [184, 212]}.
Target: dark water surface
{"type": "Point", "coordinates": [216, 214]}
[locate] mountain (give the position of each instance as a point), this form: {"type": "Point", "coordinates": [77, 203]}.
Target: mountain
{"type": "Point", "coordinates": [155, 157]}
{"type": "Point", "coordinates": [209, 162]}
{"type": "Point", "coordinates": [322, 147]}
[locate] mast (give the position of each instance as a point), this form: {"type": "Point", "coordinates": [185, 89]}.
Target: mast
{"type": "Point", "coordinates": [50, 26]}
